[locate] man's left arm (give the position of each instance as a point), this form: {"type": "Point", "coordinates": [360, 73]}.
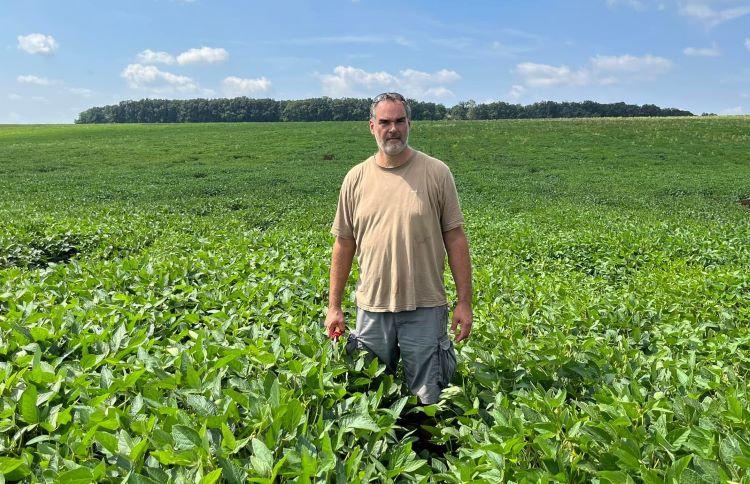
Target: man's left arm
{"type": "Point", "coordinates": [457, 247]}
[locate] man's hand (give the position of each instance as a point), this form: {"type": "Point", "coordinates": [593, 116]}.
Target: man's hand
{"type": "Point", "coordinates": [462, 317]}
{"type": "Point", "coordinates": [341, 264]}
{"type": "Point", "coordinates": [457, 247]}
{"type": "Point", "coordinates": [335, 326]}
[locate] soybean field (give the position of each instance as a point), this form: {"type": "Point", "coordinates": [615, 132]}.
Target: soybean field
{"type": "Point", "coordinates": [163, 289]}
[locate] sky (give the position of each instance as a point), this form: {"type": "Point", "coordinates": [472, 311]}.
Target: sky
{"type": "Point", "coordinates": [59, 58]}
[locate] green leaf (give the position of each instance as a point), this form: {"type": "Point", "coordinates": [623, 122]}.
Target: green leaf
{"type": "Point", "coordinates": [682, 377]}
{"type": "Point", "coordinates": [430, 410]}
{"type": "Point", "coordinates": [40, 438]}
{"type": "Point", "coordinates": [108, 441]}
{"type": "Point", "coordinates": [211, 477]}
{"type": "Point", "coordinates": [678, 467]}
{"type": "Point", "coordinates": [137, 451]}
{"type": "Point", "coordinates": [203, 406]}
{"type": "Point", "coordinates": [193, 378]}
{"type": "Point", "coordinates": [363, 422]}
{"type": "Point", "coordinates": [185, 437]}
{"type": "Point", "coordinates": [139, 479]}
{"type": "Point", "coordinates": [628, 454]}
{"type": "Point", "coordinates": [136, 405]}
{"type": "Point", "coordinates": [689, 476]}
{"type": "Point", "coordinates": [169, 457]}
{"type": "Point", "coordinates": [233, 473]}
{"type": "Point", "coordinates": [29, 410]}
{"type": "Point", "coordinates": [615, 477]}
{"type": "Point", "coordinates": [728, 448]}
{"type": "Point", "coordinates": [414, 465]}
{"type": "Point", "coordinates": [277, 467]}
{"type": "Point", "coordinates": [650, 476]}
{"type": "Point", "coordinates": [82, 475]}
{"type": "Point", "coordinates": [117, 337]}
{"type": "Point", "coordinates": [274, 397]}
{"type": "Point", "coordinates": [398, 406]}
{"type": "Point", "coordinates": [742, 461]}
{"type": "Point", "coordinates": [240, 398]}
{"type": "Point", "coordinates": [262, 459]}
{"type": "Point", "coordinates": [681, 439]}
{"type": "Point", "coordinates": [16, 474]}
{"type": "Point", "coordinates": [227, 437]}
{"type": "Point", "coordinates": [124, 442]}
{"type": "Point", "coordinates": [107, 378]}
{"type": "Point", "coordinates": [10, 464]}
{"type": "Point", "coordinates": [226, 359]}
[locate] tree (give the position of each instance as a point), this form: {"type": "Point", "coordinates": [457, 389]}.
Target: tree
{"type": "Point", "coordinates": [243, 109]}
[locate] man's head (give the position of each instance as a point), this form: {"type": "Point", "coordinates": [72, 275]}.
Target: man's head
{"type": "Point", "coordinates": [390, 120]}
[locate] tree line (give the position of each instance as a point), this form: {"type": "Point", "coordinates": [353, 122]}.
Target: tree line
{"type": "Point", "coordinates": [243, 109]}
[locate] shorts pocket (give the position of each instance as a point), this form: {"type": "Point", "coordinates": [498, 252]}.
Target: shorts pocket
{"type": "Point", "coordinates": [446, 361]}
{"type": "Point", "coordinates": [353, 344]}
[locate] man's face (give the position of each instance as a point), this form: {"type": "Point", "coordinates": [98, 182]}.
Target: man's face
{"type": "Point", "coordinates": [390, 127]}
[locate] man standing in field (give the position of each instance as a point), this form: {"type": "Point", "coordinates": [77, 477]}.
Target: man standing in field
{"type": "Point", "coordinates": [398, 212]}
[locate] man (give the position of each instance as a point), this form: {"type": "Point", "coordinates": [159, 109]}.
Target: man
{"type": "Point", "coordinates": [398, 212]}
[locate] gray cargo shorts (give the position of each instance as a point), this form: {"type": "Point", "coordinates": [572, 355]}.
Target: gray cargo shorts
{"type": "Point", "coordinates": [420, 337]}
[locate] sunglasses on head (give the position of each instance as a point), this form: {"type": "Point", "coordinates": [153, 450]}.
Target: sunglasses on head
{"type": "Point", "coordinates": [389, 95]}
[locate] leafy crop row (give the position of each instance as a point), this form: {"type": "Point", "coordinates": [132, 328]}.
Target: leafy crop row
{"type": "Point", "coordinates": [162, 291]}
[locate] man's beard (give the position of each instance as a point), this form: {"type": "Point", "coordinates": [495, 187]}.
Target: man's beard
{"type": "Point", "coordinates": [393, 146]}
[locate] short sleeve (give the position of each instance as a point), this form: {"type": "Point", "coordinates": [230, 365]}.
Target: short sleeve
{"type": "Point", "coordinates": [342, 222]}
{"type": "Point", "coordinates": [450, 216]}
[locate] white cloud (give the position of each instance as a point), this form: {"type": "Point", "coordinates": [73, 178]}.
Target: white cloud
{"type": "Point", "coordinates": [403, 41]}
{"type": "Point", "coordinates": [636, 4]}
{"type": "Point", "coordinates": [546, 75]}
{"type": "Point", "coordinates": [149, 56]}
{"type": "Point", "coordinates": [13, 96]}
{"type": "Point", "coordinates": [732, 111]}
{"type": "Point", "coordinates": [702, 11]}
{"type": "Point", "coordinates": [647, 66]}
{"type": "Point", "coordinates": [346, 40]}
{"type": "Point", "coordinates": [141, 76]}
{"type": "Point", "coordinates": [601, 70]}
{"type": "Point", "coordinates": [352, 81]}
{"type": "Point", "coordinates": [341, 39]}
{"type": "Point", "coordinates": [348, 81]}
{"type": "Point", "coordinates": [439, 93]}
{"type": "Point", "coordinates": [236, 86]}
{"type": "Point", "coordinates": [507, 50]}
{"type": "Point", "coordinates": [702, 51]}
{"type": "Point", "coordinates": [443, 76]}
{"type": "Point", "coordinates": [516, 91]}
{"type": "Point", "coordinates": [37, 44]}
{"type": "Point", "coordinates": [80, 91]}
{"type": "Point", "coordinates": [203, 55]}
{"type": "Point", "coordinates": [40, 99]}
{"type": "Point", "coordinates": [708, 12]}
{"type": "Point", "coordinates": [512, 42]}
{"type": "Point", "coordinates": [747, 43]}
{"type": "Point", "coordinates": [31, 79]}
{"type": "Point", "coordinates": [453, 43]}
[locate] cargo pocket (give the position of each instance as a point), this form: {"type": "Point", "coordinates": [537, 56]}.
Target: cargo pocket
{"type": "Point", "coordinates": [352, 343]}
{"type": "Point", "coordinates": [446, 361]}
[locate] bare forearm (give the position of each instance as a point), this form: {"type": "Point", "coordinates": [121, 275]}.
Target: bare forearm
{"type": "Point", "coordinates": [341, 264]}
{"type": "Point", "coordinates": [457, 247]}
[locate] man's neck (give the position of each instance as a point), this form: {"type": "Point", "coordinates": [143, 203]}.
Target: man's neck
{"type": "Point", "coordinates": [387, 161]}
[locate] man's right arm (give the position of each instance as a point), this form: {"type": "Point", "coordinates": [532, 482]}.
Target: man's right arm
{"type": "Point", "coordinates": [341, 264]}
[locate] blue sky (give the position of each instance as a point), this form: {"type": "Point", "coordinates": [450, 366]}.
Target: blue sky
{"type": "Point", "coordinates": [59, 58]}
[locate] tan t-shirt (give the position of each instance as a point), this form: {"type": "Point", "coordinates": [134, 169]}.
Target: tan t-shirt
{"type": "Point", "coordinates": [397, 217]}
